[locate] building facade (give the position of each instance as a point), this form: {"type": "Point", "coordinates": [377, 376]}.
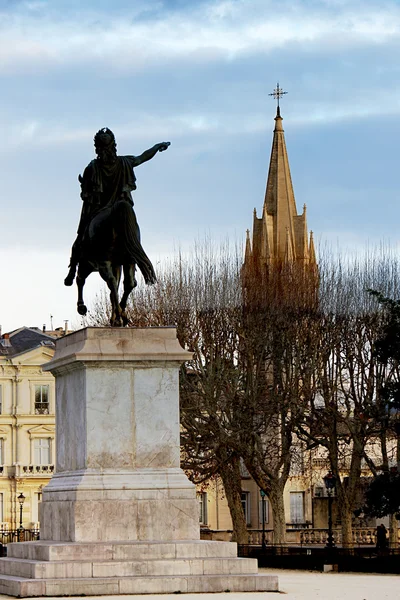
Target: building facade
{"type": "Point", "coordinates": [27, 424]}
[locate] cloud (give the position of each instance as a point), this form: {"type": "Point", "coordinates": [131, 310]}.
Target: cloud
{"type": "Point", "coordinates": [44, 286]}
{"type": "Point", "coordinates": [145, 126]}
{"type": "Point", "coordinates": [329, 112]}
{"type": "Point", "coordinates": [46, 293]}
{"type": "Point", "coordinates": [220, 30]}
{"type": "Point", "coordinates": [197, 74]}
{"type": "Point", "coordinates": [201, 126]}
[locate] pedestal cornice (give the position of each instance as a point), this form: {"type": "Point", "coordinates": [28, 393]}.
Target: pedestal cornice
{"type": "Point", "coordinates": [150, 346]}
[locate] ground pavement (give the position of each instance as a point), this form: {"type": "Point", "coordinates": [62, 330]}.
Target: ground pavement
{"type": "Point", "coordinates": [300, 585]}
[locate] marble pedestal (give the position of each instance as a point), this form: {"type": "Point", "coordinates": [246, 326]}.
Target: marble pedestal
{"type": "Point", "coordinates": [118, 473]}
{"type": "Point", "coordinates": [119, 515]}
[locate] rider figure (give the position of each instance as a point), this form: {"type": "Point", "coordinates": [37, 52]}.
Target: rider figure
{"type": "Point", "coordinates": [107, 179]}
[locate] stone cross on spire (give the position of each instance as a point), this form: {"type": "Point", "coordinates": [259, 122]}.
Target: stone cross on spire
{"type": "Point", "coordinates": [277, 94]}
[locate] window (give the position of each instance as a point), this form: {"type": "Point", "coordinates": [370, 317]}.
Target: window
{"type": "Point", "coordinates": [1, 452]}
{"type": "Point", "coordinates": [42, 451]}
{"type": "Point", "coordinates": [297, 507]}
{"type": "Point", "coordinates": [1, 507]}
{"type": "Point", "coordinates": [266, 511]}
{"type": "Point", "coordinates": [41, 399]}
{"type": "Point", "coordinates": [246, 506]}
{"type": "Point", "coordinates": [36, 500]}
{"type": "Point", "coordinates": [202, 500]}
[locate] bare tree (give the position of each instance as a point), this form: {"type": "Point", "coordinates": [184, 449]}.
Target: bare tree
{"type": "Point", "coordinates": [384, 464]}
{"type": "Point", "coordinates": [277, 365]}
{"type": "Point", "coordinates": [343, 414]}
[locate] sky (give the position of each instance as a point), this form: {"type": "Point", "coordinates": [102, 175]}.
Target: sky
{"type": "Point", "coordinates": [197, 73]}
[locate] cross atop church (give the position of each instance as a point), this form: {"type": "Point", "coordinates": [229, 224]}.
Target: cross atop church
{"type": "Point", "coordinates": [277, 94]}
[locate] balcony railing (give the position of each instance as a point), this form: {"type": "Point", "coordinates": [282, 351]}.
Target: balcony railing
{"type": "Point", "coordinates": [362, 536]}
{"type": "Point", "coordinates": [31, 470]}
{"type": "Point", "coordinates": [38, 469]}
{"type": "Point", "coordinates": [320, 463]}
{"type": "Point", "coordinates": [41, 408]}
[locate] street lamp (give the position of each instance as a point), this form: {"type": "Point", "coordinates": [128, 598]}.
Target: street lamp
{"type": "Point", "coordinates": [21, 500]}
{"type": "Point", "coordinates": [330, 484]}
{"type": "Point", "coordinates": [263, 544]}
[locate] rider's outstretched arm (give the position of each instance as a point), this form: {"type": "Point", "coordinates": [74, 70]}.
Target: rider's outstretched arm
{"type": "Point", "coordinates": [150, 153]}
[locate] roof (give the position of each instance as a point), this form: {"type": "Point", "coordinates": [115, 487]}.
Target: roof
{"type": "Point", "coordinates": [23, 340]}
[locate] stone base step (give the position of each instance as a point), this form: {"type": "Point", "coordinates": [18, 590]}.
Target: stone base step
{"type": "Point", "coordinates": [105, 551]}
{"type": "Point", "coordinates": [46, 568]}
{"type": "Point", "coordinates": [34, 569]}
{"type": "Point", "coordinates": [107, 586]}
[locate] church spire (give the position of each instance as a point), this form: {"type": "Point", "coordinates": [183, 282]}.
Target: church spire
{"type": "Point", "coordinates": [279, 196]}
{"type": "Point", "coordinates": [281, 233]}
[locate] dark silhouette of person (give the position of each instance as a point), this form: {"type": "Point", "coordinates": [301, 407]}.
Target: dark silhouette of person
{"type": "Point", "coordinates": [381, 539]}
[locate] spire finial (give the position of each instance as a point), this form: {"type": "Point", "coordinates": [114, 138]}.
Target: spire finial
{"type": "Point", "coordinates": [277, 94]}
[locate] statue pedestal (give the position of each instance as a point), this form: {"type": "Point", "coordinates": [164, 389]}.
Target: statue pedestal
{"type": "Point", "coordinates": [119, 516]}
{"type": "Point", "coordinates": [118, 473]}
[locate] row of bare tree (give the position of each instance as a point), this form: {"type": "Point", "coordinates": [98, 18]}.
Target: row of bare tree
{"type": "Point", "coordinates": [279, 355]}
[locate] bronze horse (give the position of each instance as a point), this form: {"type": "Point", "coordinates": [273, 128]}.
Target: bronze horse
{"type": "Point", "coordinates": [108, 238]}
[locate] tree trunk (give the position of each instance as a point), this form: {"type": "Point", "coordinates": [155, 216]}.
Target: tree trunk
{"type": "Point", "coordinates": [278, 511]}
{"type": "Point", "coordinates": [347, 527]}
{"type": "Point", "coordinates": [393, 532]}
{"type": "Point", "coordinates": [231, 479]}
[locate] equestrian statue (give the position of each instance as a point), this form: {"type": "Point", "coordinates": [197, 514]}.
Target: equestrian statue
{"type": "Point", "coordinates": [108, 239]}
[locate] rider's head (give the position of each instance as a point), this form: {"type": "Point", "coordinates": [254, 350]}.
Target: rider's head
{"type": "Point", "coordinates": [105, 145]}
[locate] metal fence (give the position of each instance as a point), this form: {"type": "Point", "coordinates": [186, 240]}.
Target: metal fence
{"type": "Point", "coordinates": [18, 535]}
{"type": "Point", "coordinates": [361, 559]}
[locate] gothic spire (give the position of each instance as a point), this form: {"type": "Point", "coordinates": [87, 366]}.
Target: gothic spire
{"type": "Point", "coordinates": [280, 233]}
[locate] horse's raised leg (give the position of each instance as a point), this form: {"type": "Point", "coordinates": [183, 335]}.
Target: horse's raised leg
{"type": "Point", "coordinates": [107, 274]}
{"type": "Point", "coordinates": [84, 271]}
{"type": "Point", "coordinates": [129, 283]}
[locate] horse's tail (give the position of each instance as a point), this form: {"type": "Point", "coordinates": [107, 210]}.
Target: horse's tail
{"type": "Point", "coordinates": [129, 240]}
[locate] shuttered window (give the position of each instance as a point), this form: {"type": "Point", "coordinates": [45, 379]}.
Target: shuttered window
{"type": "Point", "coordinates": [297, 507]}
